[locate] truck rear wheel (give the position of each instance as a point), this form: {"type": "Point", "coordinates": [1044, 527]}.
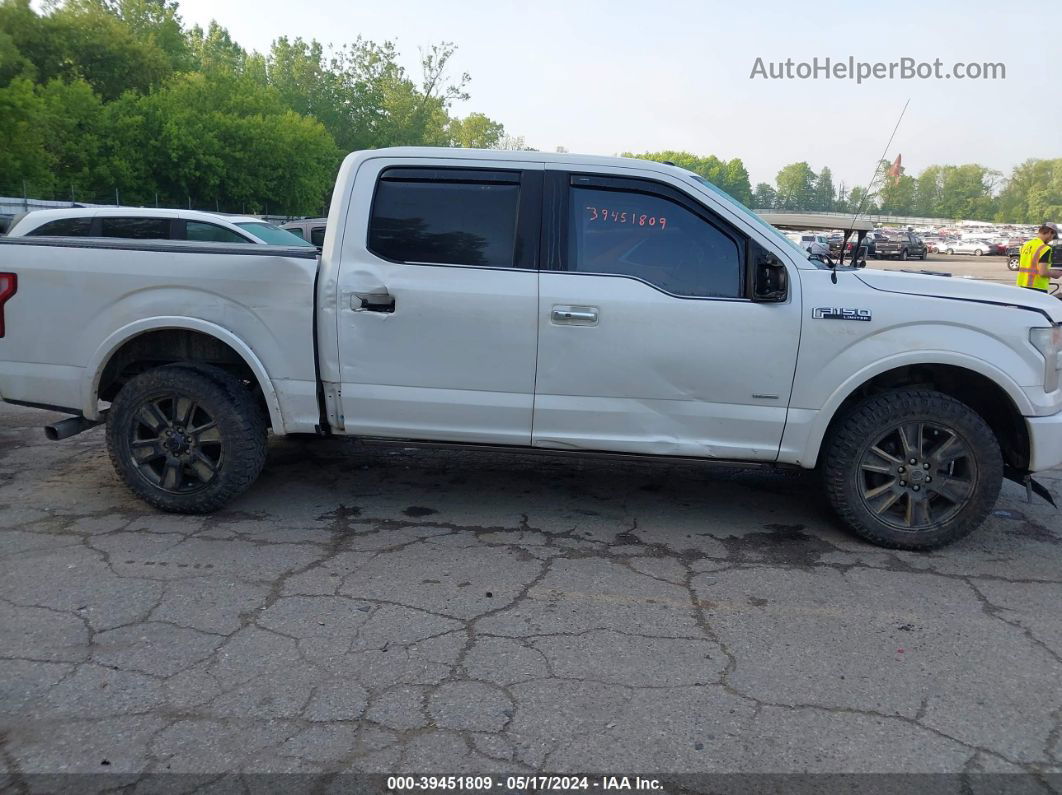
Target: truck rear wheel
{"type": "Point", "coordinates": [186, 438]}
{"type": "Point", "coordinates": [912, 469]}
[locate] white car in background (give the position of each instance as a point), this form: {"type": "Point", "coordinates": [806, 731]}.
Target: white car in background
{"type": "Point", "coordinates": [312, 229]}
{"type": "Point", "coordinates": [976, 247]}
{"type": "Point", "coordinates": [810, 242]}
{"type": "Point", "coordinates": [151, 223]}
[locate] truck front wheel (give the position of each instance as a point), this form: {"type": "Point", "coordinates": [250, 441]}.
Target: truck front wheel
{"type": "Point", "coordinates": [912, 469]}
{"type": "Point", "coordinates": [186, 438]}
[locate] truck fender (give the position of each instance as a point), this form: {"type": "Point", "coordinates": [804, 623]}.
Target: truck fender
{"type": "Point", "coordinates": [94, 370]}
{"type": "Point", "coordinates": [821, 419]}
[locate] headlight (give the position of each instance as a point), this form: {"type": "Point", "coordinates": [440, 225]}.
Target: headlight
{"type": "Point", "coordinates": [1049, 342]}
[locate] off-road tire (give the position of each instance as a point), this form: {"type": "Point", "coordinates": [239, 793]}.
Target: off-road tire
{"type": "Point", "coordinates": [868, 421]}
{"type": "Point", "coordinates": [239, 419]}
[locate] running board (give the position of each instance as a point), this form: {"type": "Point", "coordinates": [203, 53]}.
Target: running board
{"type": "Point", "coordinates": [381, 441]}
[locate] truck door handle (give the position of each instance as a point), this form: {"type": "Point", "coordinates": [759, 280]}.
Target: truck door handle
{"type": "Point", "coordinates": [374, 301]}
{"type": "Point", "coordinates": [574, 316]}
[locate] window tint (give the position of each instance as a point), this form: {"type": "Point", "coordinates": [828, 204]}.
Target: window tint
{"type": "Point", "coordinates": [64, 227]}
{"type": "Point", "coordinates": [653, 239]}
{"type": "Point", "coordinates": [317, 235]}
{"type": "Point", "coordinates": [294, 230]}
{"type": "Point", "coordinates": [458, 223]}
{"type": "Point", "coordinates": [137, 228]}
{"type": "Point", "coordinates": [200, 230]}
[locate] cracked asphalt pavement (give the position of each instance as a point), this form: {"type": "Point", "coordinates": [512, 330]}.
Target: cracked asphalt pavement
{"type": "Point", "coordinates": [409, 610]}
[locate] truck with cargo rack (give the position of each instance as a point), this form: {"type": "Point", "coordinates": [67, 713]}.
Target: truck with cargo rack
{"type": "Point", "coordinates": [552, 302]}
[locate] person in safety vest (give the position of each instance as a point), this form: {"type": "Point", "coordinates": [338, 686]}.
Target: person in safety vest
{"type": "Point", "coordinates": [1034, 260]}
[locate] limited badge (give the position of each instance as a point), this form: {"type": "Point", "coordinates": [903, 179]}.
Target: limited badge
{"type": "Point", "coordinates": [840, 313]}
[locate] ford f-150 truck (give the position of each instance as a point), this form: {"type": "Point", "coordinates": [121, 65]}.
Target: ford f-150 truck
{"type": "Point", "coordinates": [902, 245]}
{"type": "Point", "coordinates": [528, 300]}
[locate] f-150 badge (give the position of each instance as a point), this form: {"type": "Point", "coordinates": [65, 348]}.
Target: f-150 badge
{"type": "Point", "coordinates": [840, 313]}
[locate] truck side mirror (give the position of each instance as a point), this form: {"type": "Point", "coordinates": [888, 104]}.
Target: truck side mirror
{"type": "Point", "coordinates": [770, 282]}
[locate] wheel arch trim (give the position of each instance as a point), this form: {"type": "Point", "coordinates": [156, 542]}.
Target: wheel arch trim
{"type": "Point", "coordinates": [807, 452]}
{"type": "Point", "coordinates": [113, 343]}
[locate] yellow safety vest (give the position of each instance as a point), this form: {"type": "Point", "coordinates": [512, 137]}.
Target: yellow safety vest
{"type": "Point", "coordinates": [1028, 258]}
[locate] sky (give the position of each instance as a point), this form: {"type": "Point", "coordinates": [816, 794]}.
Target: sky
{"type": "Point", "coordinates": [608, 77]}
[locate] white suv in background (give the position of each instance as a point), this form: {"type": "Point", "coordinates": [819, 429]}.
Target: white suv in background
{"type": "Point", "coordinates": [151, 223]}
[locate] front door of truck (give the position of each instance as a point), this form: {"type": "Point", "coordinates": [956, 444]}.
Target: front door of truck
{"type": "Point", "coordinates": [438, 301]}
{"type": "Point", "coordinates": [647, 341]}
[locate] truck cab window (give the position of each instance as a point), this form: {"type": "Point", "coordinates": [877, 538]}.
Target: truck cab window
{"type": "Point", "coordinates": [651, 238]}
{"type": "Point", "coordinates": [438, 221]}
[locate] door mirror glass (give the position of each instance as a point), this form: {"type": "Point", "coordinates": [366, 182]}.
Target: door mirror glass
{"type": "Point", "coordinates": [770, 282]}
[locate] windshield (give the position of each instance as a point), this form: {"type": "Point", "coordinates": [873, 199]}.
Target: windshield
{"type": "Point", "coordinates": [772, 231]}
{"type": "Point", "coordinates": [268, 233]}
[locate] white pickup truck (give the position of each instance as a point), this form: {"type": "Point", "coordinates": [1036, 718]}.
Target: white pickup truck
{"type": "Point", "coordinates": [529, 300]}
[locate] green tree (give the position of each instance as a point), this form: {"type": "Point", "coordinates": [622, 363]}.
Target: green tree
{"type": "Point", "coordinates": [764, 197]}
{"type": "Point", "coordinates": [475, 131]}
{"type": "Point", "coordinates": [929, 188]}
{"type": "Point", "coordinates": [229, 140]}
{"type": "Point", "coordinates": [898, 195]}
{"type": "Point", "coordinates": [729, 176]}
{"type": "Point", "coordinates": [966, 191]}
{"type": "Point", "coordinates": [1033, 193]}
{"type": "Point", "coordinates": [795, 184]}
{"type": "Point", "coordinates": [23, 156]}
{"type": "Point", "coordinates": [89, 39]}
{"type": "Point", "coordinates": [825, 195]}
{"type": "Point", "coordinates": [860, 201]}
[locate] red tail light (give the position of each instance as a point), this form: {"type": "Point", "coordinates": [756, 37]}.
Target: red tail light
{"type": "Point", "coordinates": [8, 286]}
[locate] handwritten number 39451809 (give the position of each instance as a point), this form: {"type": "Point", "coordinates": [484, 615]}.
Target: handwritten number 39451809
{"type": "Point", "coordinates": [612, 216]}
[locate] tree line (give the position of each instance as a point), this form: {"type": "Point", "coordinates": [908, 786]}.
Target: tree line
{"type": "Point", "coordinates": [106, 100]}
{"type": "Point", "coordinates": [1031, 194]}
{"type": "Point", "coordinates": [118, 101]}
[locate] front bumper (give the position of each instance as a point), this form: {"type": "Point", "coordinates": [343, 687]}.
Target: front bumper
{"type": "Point", "coordinates": [1045, 442]}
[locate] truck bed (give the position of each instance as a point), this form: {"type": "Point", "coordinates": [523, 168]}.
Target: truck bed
{"type": "Point", "coordinates": [80, 299]}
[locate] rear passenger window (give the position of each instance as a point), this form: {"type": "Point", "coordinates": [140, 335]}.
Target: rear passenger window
{"type": "Point", "coordinates": [295, 230]}
{"type": "Point", "coordinates": [212, 233]}
{"type": "Point", "coordinates": [64, 227]}
{"type": "Point", "coordinates": [454, 217]}
{"type": "Point", "coordinates": [648, 237]}
{"type": "Point", "coordinates": [136, 228]}
{"type": "Point", "coordinates": [317, 235]}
